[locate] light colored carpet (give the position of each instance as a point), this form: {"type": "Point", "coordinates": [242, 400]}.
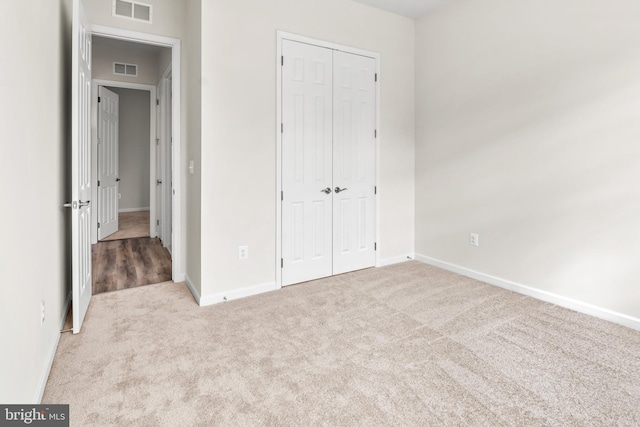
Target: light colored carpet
{"type": "Point", "coordinates": [405, 345]}
{"type": "Point", "coordinates": [130, 226]}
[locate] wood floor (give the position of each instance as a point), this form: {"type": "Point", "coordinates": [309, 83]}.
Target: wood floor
{"type": "Point", "coordinates": [128, 263]}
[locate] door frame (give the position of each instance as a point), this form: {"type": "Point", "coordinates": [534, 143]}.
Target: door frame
{"type": "Point", "coordinates": [177, 206]}
{"type": "Point", "coordinates": [282, 35]}
{"type": "Point", "coordinates": [165, 144]}
{"type": "Point", "coordinates": [95, 83]}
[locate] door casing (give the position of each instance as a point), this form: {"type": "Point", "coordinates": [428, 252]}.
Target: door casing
{"type": "Point", "coordinates": [281, 35]}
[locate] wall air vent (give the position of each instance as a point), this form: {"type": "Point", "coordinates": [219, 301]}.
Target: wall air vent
{"type": "Point", "coordinates": [132, 10]}
{"type": "Point", "coordinates": [122, 69]}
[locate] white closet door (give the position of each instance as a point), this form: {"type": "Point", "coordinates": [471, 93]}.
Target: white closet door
{"type": "Point", "coordinates": [353, 162]}
{"type": "Point", "coordinates": [307, 250]}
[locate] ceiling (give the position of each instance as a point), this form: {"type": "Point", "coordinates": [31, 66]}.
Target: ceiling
{"type": "Point", "coordinates": [409, 8]}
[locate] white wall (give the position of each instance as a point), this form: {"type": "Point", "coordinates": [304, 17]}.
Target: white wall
{"type": "Point", "coordinates": [35, 169]}
{"type": "Point", "coordinates": [527, 133]}
{"type": "Point", "coordinates": [133, 154]}
{"type": "Point", "coordinates": [239, 126]}
{"type": "Point", "coordinates": [193, 102]}
{"type": "Point", "coordinates": [164, 60]}
{"type": "Point", "coordinates": [104, 55]}
{"type": "Point", "coordinates": [167, 17]}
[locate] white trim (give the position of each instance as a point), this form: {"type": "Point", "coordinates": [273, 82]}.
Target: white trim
{"type": "Point", "coordinates": [178, 254]}
{"type": "Point", "coordinates": [237, 293]}
{"type": "Point", "coordinates": [95, 83]}
{"type": "Point", "coordinates": [562, 301]}
{"type": "Point", "coordinates": [394, 260]}
{"type": "Point", "coordinates": [133, 209]}
{"type": "Point", "coordinates": [192, 289]}
{"type": "Point", "coordinates": [282, 35]}
{"type": "Point", "coordinates": [52, 353]}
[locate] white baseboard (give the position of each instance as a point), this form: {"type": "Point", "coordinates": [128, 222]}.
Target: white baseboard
{"type": "Point", "coordinates": [192, 288]}
{"type": "Point", "coordinates": [52, 353]}
{"type": "Point", "coordinates": [133, 209]}
{"type": "Point", "coordinates": [237, 293]}
{"type": "Point", "coordinates": [394, 260]}
{"type": "Point", "coordinates": [572, 304]}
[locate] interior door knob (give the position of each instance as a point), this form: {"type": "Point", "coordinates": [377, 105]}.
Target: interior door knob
{"type": "Point", "coordinates": [326, 190]}
{"type": "Point", "coordinates": [338, 189]}
{"type": "Point", "coordinates": [158, 181]}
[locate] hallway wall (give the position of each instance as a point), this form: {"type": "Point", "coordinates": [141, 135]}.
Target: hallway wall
{"type": "Point", "coordinates": [133, 154]}
{"type": "Point", "coordinates": [34, 244]}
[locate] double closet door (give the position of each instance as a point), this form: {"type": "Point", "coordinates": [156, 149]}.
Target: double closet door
{"type": "Point", "coordinates": [328, 162]}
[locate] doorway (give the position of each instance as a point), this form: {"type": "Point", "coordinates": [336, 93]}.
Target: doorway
{"type": "Point", "coordinates": [163, 179]}
{"type": "Point", "coordinates": [126, 254]}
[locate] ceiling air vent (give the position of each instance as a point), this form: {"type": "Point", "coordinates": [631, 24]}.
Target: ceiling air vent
{"type": "Point", "coordinates": [122, 69]}
{"type": "Point", "coordinates": [132, 10]}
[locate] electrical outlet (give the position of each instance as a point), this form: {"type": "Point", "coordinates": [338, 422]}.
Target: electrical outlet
{"type": "Point", "coordinates": [474, 239]}
{"type": "Point", "coordinates": [42, 312]}
{"type": "Point", "coordinates": [243, 252]}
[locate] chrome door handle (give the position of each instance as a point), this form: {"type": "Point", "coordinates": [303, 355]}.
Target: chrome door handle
{"type": "Point", "coordinates": [338, 189]}
{"type": "Point", "coordinates": [77, 205]}
{"type": "Point", "coordinates": [326, 190]}
{"type": "Point", "coordinates": [117, 179]}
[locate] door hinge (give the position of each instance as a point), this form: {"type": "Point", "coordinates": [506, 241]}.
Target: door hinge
{"type": "Point", "coordinates": [98, 183]}
{"type": "Point", "coordinates": [99, 99]}
{"type": "Point", "coordinates": [376, 77]}
{"type": "Point", "coordinates": [157, 102]}
{"type": "Point", "coordinates": [98, 225]}
{"type": "Point", "coordinates": [282, 61]}
{"type": "Point", "coordinates": [375, 246]}
{"type": "Point", "coordinates": [375, 189]}
{"type": "Point", "coordinates": [157, 222]}
{"type": "Point", "coordinates": [157, 141]}
{"type": "Point", "coordinates": [281, 195]}
{"type": "Point", "coordinates": [281, 127]}
{"type": "Point", "coordinates": [375, 133]}
{"type": "Point", "coordinates": [281, 262]}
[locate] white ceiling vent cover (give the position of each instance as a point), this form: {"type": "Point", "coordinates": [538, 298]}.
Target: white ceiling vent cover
{"type": "Point", "coordinates": [133, 10]}
{"type": "Point", "coordinates": [122, 69]}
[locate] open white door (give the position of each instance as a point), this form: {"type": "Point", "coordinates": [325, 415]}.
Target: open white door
{"type": "Point", "coordinates": [80, 165]}
{"type": "Point", "coordinates": [108, 181]}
